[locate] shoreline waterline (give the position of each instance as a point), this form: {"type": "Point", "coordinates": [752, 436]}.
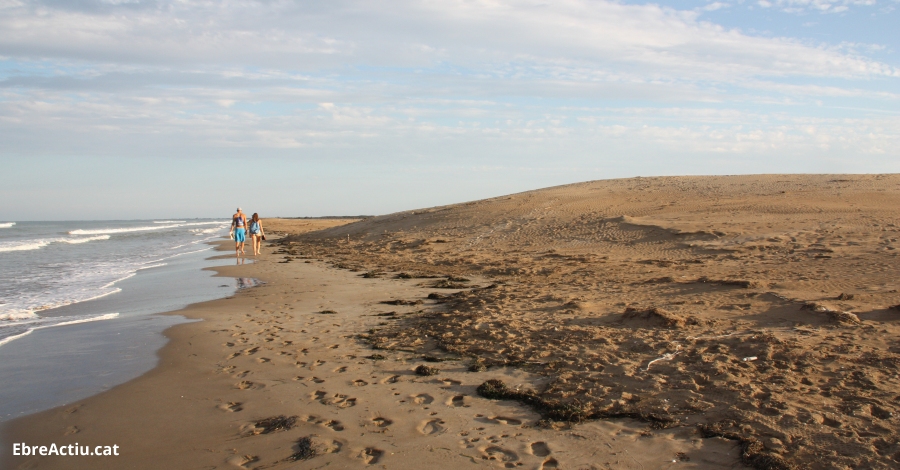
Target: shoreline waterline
{"type": "Point", "coordinates": [90, 347]}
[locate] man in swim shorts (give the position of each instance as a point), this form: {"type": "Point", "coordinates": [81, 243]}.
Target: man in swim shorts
{"type": "Point", "coordinates": [238, 224]}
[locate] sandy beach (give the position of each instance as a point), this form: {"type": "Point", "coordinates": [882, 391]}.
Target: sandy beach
{"type": "Point", "coordinates": [672, 322]}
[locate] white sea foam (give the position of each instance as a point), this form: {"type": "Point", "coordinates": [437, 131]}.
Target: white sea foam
{"type": "Point", "coordinates": [7, 224]}
{"type": "Point", "coordinates": [121, 230]}
{"type": "Point", "coordinates": [168, 221]}
{"type": "Point", "coordinates": [18, 315]}
{"type": "Point", "coordinates": [201, 231]}
{"type": "Point", "coordinates": [84, 240]}
{"type": "Point", "coordinates": [53, 322]}
{"type": "Point", "coordinates": [37, 244]}
{"type": "Point", "coordinates": [153, 266]}
{"type": "Point", "coordinates": [142, 229]}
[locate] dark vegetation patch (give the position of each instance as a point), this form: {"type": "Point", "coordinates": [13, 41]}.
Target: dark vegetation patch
{"type": "Point", "coordinates": [731, 282]}
{"type": "Point", "coordinates": [401, 302]}
{"type": "Point", "coordinates": [571, 412]}
{"type": "Point", "coordinates": [305, 450]}
{"type": "Point", "coordinates": [448, 284]}
{"type": "Point", "coordinates": [753, 453]}
{"type": "Point", "coordinates": [275, 423]}
{"type": "Point", "coordinates": [427, 370]}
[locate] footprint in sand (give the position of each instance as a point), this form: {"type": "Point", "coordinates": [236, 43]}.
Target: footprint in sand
{"type": "Point", "coordinates": [451, 382]}
{"type": "Point", "coordinates": [333, 425]}
{"type": "Point", "coordinates": [371, 455]}
{"type": "Point", "coordinates": [431, 426]}
{"type": "Point", "coordinates": [251, 351]}
{"type": "Point", "coordinates": [422, 399]}
{"type": "Point", "coordinates": [391, 380]}
{"type": "Point", "coordinates": [382, 422]}
{"type": "Point", "coordinates": [500, 420]}
{"type": "Point", "coordinates": [316, 380]}
{"type": "Point", "coordinates": [341, 369]}
{"type": "Point", "coordinates": [248, 385]}
{"type": "Point", "coordinates": [500, 455]}
{"type": "Point", "coordinates": [243, 460]}
{"type": "Point", "coordinates": [242, 374]}
{"type": "Point", "coordinates": [550, 463]}
{"type": "Point", "coordinates": [330, 424]}
{"type": "Point", "coordinates": [334, 346]}
{"type": "Point", "coordinates": [339, 400]}
{"type": "Point", "coordinates": [540, 449]}
{"type": "Point", "coordinates": [72, 430]}
{"type": "Point", "coordinates": [458, 400]}
{"type": "Point", "coordinates": [263, 360]}
{"type": "Point", "coordinates": [360, 383]}
{"type": "Point", "coordinates": [230, 407]}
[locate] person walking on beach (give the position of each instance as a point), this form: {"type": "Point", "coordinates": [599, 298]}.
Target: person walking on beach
{"type": "Point", "coordinates": [256, 233]}
{"type": "Point", "coordinates": [238, 222]}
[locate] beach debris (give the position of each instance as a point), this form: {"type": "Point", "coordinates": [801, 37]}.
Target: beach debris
{"type": "Point", "coordinates": [449, 284]}
{"type": "Point", "coordinates": [753, 452]}
{"type": "Point", "coordinates": [749, 358]}
{"type": "Point", "coordinates": [837, 315]}
{"type": "Point", "coordinates": [664, 357]}
{"type": "Point", "coordinates": [401, 302]}
{"type": "Point", "coordinates": [654, 315]}
{"type": "Point", "coordinates": [305, 450]}
{"type": "Point", "coordinates": [844, 296]}
{"type": "Point", "coordinates": [427, 370]}
{"type": "Point", "coordinates": [376, 357]}
{"type": "Point", "coordinates": [478, 366]}
{"type": "Point", "coordinates": [730, 282]}
{"type": "Point", "coordinates": [275, 423]}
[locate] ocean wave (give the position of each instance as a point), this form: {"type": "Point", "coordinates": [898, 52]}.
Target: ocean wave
{"type": "Point", "coordinates": [153, 266]}
{"type": "Point", "coordinates": [146, 228]}
{"type": "Point", "coordinates": [37, 244]}
{"type": "Point", "coordinates": [18, 315]}
{"type": "Point", "coordinates": [168, 221]}
{"type": "Point", "coordinates": [121, 230]}
{"type": "Point", "coordinates": [7, 224]}
{"type": "Point", "coordinates": [84, 240]}
{"type": "Point", "coordinates": [12, 332]}
{"type": "Point", "coordinates": [201, 231]}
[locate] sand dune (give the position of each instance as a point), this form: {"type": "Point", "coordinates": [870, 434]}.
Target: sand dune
{"type": "Point", "coordinates": [757, 308]}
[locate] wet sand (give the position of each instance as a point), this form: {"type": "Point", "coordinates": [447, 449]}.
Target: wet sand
{"type": "Point", "coordinates": [695, 322]}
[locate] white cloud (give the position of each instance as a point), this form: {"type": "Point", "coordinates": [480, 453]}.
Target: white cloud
{"type": "Point", "coordinates": [416, 33]}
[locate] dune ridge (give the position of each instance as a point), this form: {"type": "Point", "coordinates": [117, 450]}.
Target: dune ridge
{"type": "Point", "coordinates": [755, 308]}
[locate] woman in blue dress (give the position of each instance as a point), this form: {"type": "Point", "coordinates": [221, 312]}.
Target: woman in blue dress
{"type": "Point", "coordinates": [256, 233]}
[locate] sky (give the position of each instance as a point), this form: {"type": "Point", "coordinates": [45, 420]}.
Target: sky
{"type": "Point", "coordinates": [132, 109]}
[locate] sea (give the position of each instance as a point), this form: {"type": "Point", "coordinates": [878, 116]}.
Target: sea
{"type": "Point", "coordinates": [78, 302]}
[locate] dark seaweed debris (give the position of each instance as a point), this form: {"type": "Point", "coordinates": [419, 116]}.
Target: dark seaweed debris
{"type": "Point", "coordinates": [426, 370]}
{"type": "Point", "coordinates": [305, 450]}
{"type": "Point", "coordinates": [276, 423]}
{"type": "Point", "coordinates": [752, 451]}
{"type": "Point", "coordinates": [553, 410]}
{"type": "Point", "coordinates": [401, 302]}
